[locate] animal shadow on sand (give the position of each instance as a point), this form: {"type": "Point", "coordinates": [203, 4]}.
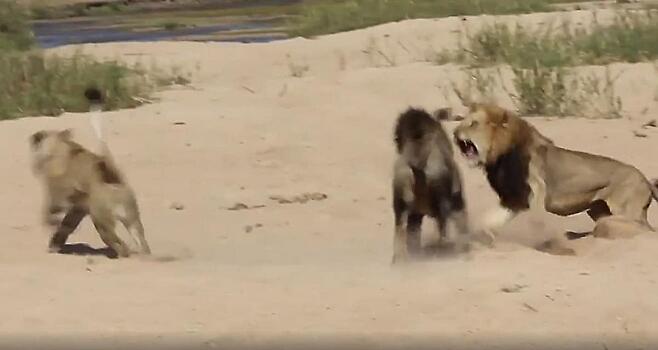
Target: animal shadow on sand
{"type": "Point", "coordinates": [83, 249]}
{"type": "Point", "coordinates": [87, 250]}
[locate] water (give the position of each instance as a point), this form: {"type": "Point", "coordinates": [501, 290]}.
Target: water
{"type": "Point", "coordinates": [59, 33]}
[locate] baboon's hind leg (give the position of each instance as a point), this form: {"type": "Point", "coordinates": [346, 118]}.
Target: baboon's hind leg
{"type": "Point", "coordinates": [52, 215]}
{"type": "Point", "coordinates": [442, 224]}
{"type": "Point", "coordinates": [400, 239]}
{"type": "Point", "coordinates": [136, 229]}
{"type": "Point", "coordinates": [104, 222]}
{"type": "Point", "coordinates": [70, 222]}
{"type": "Point", "coordinates": [459, 216]}
{"type": "Point", "coordinates": [414, 223]}
{"type": "Point", "coordinates": [440, 205]}
{"type": "Point", "coordinates": [459, 213]}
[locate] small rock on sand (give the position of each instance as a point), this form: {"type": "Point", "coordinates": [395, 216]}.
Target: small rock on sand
{"type": "Point", "coordinates": [176, 206]}
{"type": "Point", "coordinates": [513, 288]}
{"type": "Point", "coordinates": [239, 206]}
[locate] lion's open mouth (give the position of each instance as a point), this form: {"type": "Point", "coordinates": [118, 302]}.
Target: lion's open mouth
{"type": "Point", "coordinates": [468, 149]}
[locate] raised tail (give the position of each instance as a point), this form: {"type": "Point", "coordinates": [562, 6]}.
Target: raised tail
{"type": "Point", "coordinates": [108, 168]}
{"type": "Point", "coordinates": [95, 98]}
{"type": "Point", "coordinates": [96, 122]}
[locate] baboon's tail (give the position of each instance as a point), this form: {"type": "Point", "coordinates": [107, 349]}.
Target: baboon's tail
{"type": "Point", "coordinates": [95, 98]}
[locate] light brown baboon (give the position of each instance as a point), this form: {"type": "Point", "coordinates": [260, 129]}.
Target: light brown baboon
{"type": "Point", "coordinates": [426, 181]}
{"type": "Point", "coordinates": [78, 182]}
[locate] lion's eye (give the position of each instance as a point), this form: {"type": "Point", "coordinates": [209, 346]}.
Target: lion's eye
{"type": "Point", "coordinates": [474, 123]}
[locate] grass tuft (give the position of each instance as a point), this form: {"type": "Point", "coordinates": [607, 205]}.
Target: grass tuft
{"type": "Point", "coordinates": [543, 62]}
{"type": "Point", "coordinates": [326, 17]}
{"type": "Point", "coordinates": [34, 83]}
{"type": "Point", "coordinates": [632, 37]}
{"type": "Point", "coordinates": [15, 30]}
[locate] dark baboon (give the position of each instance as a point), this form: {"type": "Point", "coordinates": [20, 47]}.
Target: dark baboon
{"type": "Point", "coordinates": [426, 181]}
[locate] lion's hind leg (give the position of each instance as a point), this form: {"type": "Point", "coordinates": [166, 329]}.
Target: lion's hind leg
{"type": "Point", "coordinates": [616, 227]}
{"type": "Point", "coordinates": [597, 210]}
{"type": "Point", "coordinates": [630, 200]}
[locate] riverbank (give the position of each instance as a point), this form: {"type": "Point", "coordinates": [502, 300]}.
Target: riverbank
{"type": "Point", "coordinates": [78, 21]}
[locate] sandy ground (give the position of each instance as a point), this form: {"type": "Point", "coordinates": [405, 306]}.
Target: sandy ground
{"type": "Point", "coordinates": [317, 271]}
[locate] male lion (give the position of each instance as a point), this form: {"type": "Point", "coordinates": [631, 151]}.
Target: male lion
{"type": "Point", "coordinates": [525, 168]}
{"type": "Point", "coordinates": [79, 182]}
{"type": "Point", "coordinates": [426, 181]}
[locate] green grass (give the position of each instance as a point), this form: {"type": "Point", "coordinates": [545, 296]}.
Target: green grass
{"type": "Point", "coordinates": [501, 44]}
{"type": "Point", "coordinates": [318, 18]}
{"type": "Point", "coordinates": [43, 10]}
{"type": "Point", "coordinates": [34, 83]}
{"type": "Point", "coordinates": [172, 25]}
{"type": "Point", "coordinates": [105, 10]}
{"type": "Point", "coordinates": [630, 38]}
{"type": "Point", "coordinates": [543, 91]}
{"type": "Point", "coordinates": [543, 61]}
{"type": "Point", "coordinates": [15, 31]}
{"type": "Point", "coordinates": [543, 83]}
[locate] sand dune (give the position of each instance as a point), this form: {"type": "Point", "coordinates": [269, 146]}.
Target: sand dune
{"type": "Point", "coordinates": [317, 270]}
